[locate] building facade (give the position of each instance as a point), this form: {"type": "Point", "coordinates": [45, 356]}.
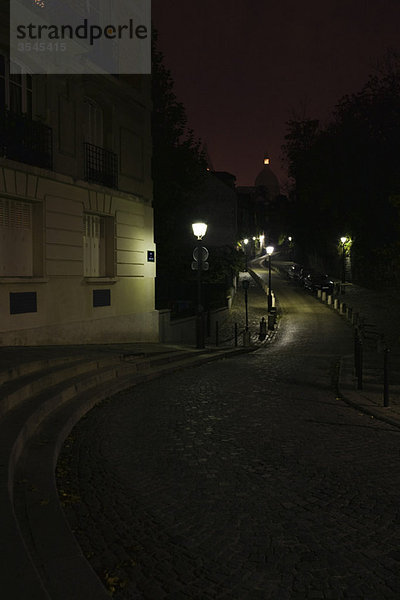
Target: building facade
{"type": "Point", "coordinates": [77, 253]}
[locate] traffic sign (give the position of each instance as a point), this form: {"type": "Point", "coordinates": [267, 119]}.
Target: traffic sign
{"type": "Point", "coordinates": [204, 265]}
{"type": "Point", "coordinates": [204, 253]}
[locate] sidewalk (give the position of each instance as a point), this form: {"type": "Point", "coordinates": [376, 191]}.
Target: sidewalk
{"type": "Point", "coordinates": [379, 315]}
{"type": "Point", "coordinates": [257, 309]}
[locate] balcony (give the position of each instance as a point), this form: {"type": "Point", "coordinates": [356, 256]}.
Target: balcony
{"type": "Point", "coordinates": [25, 140]}
{"type": "Point", "coordinates": [101, 166]}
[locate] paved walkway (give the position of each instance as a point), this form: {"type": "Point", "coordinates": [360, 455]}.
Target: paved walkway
{"type": "Point", "coordinates": [246, 479]}
{"type": "Point", "coordinates": [379, 309]}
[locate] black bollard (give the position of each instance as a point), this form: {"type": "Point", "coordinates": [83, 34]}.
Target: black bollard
{"type": "Point", "coordinates": [236, 335]}
{"type": "Point", "coordinates": [356, 352]}
{"type": "Point", "coordinates": [386, 401]}
{"type": "Point", "coordinates": [263, 329]}
{"type": "Point", "coordinates": [360, 364]}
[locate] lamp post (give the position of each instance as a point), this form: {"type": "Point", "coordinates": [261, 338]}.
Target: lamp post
{"type": "Point", "coordinates": [269, 250]}
{"type": "Point", "coordinates": [246, 334]}
{"type": "Point", "coordinates": [343, 240]}
{"type": "Point", "coordinates": [245, 242]}
{"type": "Point", "coordinates": [246, 287]}
{"type": "Point", "coordinates": [199, 230]}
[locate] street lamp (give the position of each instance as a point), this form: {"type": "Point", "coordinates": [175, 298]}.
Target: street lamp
{"type": "Point", "coordinates": [343, 240]}
{"type": "Point", "coordinates": [199, 230]}
{"type": "Point", "coordinates": [246, 334]}
{"type": "Point", "coordinates": [245, 242]}
{"type": "Point", "coordinates": [269, 250]}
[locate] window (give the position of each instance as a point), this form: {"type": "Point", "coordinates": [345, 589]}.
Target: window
{"type": "Point", "coordinates": [15, 89]}
{"type": "Point", "coordinates": [93, 123]}
{"type": "Point", "coordinates": [98, 246]}
{"type": "Point", "coordinates": [16, 239]}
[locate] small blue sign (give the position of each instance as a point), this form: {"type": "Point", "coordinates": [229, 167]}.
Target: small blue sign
{"type": "Point", "coordinates": [150, 255]}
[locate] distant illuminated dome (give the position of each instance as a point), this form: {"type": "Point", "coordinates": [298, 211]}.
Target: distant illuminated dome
{"type": "Point", "coordinates": [267, 178]}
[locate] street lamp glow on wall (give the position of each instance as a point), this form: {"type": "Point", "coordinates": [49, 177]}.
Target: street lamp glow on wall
{"type": "Point", "coordinates": [199, 229]}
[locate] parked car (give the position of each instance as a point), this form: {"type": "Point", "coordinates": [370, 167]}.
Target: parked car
{"type": "Point", "coordinates": [294, 271]}
{"type": "Point", "coordinates": [318, 281]}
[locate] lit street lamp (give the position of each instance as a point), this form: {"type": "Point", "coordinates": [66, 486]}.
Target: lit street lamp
{"type": "Point", "coordinates": [199, 230]}
{"type": "Point", "coordinates": [245, 242]}
{"type": "Point", "coordinates": [269, 250]}
{"type": "Point", "coordinates": [343, 240]}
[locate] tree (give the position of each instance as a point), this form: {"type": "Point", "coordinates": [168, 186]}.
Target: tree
{"type": "Point", "coordinates": [178, 168]}
{"type": "Point", "coordinates": [346, 174]}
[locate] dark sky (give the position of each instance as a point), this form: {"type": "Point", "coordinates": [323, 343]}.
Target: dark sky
{"type": "Point", "coordinates": [242, 68]}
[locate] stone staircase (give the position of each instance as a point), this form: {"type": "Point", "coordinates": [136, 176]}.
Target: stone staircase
{"type": "Point", "coordinates": [41, 401]}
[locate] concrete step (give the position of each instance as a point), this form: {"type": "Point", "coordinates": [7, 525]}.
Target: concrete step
{"type": "Point", "coordinates": [19, 389]}
{"type": "Point", "coordinates": [32, 432]}
{"type": "Point", "coordinates": [30, 367]}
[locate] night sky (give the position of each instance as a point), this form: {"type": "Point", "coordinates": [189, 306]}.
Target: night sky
{"type": "Point", "coordinates": [242, 68]}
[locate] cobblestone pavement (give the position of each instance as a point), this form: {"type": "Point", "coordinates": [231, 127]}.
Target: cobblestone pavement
{"type": "Point", "coordinates": [242, 479]}
{"type": "Point", "coordinates": [257, 309]}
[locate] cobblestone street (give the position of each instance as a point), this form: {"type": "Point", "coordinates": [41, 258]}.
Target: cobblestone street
{"type": "Point", "coordinates": [243, 479]}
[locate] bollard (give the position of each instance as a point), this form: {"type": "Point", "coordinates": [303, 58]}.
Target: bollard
{"type": "Point", "coordinates": [349, 313]}
{"type": "Point", "coordinates": [236, 335]}
{"type": "Point", "coordinates": [386, 402]}
{"type": "Point", "coordinates": [355, 352]}
{"type": "Point", "coordinates": [323, 296]}
{"type": "Point", "coordinates": [263, 329]}
{"type": "Point", "coordinates": [271, 321]}
{"type": "Point", "coordinates": [319, 294]}
{"type": "Point", "coordinates": [342, 307]}
{"type": "Point", "coordinates": [329, 299]}
{"type": "Point", "coordinates": [359, 364]}
{"type": "Point", "coordinates": [335, 303]}
{"type": "Point", "coordinates": [216, 333]}
{"type": "Point", "coordinates": [246, 338]}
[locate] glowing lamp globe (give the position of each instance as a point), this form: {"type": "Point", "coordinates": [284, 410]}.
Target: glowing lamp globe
{"type": "Point", "coordinates": [199, 230]}
{"type": "Point", "coordinates": [269, 249]}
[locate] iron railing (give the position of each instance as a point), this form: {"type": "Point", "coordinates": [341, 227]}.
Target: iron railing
{"type": "Point", "coordinates": [25, 140]}
{"type": "Point", "coordinates": [101, 166]}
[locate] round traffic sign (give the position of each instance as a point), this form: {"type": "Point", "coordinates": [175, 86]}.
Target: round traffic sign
{"type": "Point", "coordinates": [204, 253]}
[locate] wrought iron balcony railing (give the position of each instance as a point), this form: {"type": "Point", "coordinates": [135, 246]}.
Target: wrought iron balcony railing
{"type": "Point", "coordinates": [25, 140]}
{"type": "Point", "coordinates": [101, 166]}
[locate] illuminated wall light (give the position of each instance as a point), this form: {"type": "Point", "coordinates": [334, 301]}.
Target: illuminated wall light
{"type": "Point", "coordinates": [266, 161]}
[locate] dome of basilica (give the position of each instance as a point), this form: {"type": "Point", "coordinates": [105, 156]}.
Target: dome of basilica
{"type": "Point", "coordinates": [267, 179]}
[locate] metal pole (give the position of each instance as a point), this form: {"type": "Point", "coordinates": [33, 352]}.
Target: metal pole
{"type": "Point", "coordinates": [236, 335]}
{"type": "Point", "coordinates": [343, 265]}
{"type": "Point", "coordinates": [216, 333]}
{"type": "Point", "coordinates": [247, 312]}
{"type": "Point", "coordinates": [360, 365]}
{"type": "Point", "coordinates": [269, 284]}
{"type": "Point", "coordinates": [200, 322]}
{"type": "Point", "coordinates": [356, 352]}
{"type": "Point", "coordinates": [386, 377]}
